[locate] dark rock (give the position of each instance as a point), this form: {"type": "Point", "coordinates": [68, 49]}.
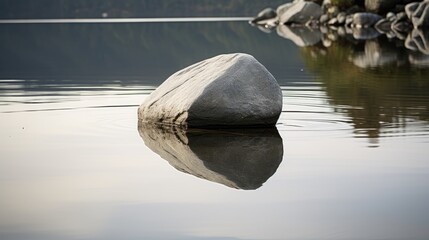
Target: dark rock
{"type": "Point", "coordinates": [266, 14]}
{"type": "Point", "coordinates": [333, 21]}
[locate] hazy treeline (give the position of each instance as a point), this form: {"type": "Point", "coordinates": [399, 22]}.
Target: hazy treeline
{"type": "Point", "coordinates": [131, 8]}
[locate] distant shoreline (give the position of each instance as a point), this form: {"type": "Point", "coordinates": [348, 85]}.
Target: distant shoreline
{"type": "Point", "coordinates": [125, 20]}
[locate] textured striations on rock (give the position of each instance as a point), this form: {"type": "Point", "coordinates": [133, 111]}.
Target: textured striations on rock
{"type": "Point", "coordinates": [226, 90]}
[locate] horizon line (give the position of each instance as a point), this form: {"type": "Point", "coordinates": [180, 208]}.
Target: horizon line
{"type": "Point", "coordinates": [124, 20]}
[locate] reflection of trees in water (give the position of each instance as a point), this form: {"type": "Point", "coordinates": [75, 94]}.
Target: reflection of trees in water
{"type": "Point", "coordinates": [376, 98]}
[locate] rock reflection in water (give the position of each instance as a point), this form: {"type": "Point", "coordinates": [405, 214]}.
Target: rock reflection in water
{"type": "Point", "coordinates": [383, 88]}
{"type": "Point", "coordinates": [379, 80]}
{"type": "Point", "coordinates": [414, 47]}
{"type": "Point", "coordinates": [237, 158]}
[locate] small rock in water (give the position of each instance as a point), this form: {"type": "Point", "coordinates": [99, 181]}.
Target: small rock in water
{"type": "Point", "coordinates": [266, 14]}
{"type": "Point", "coordinates": [341, 17]}
{"type": "Point", "coordinates": [231, 90]}
{"type": "Point", "coordinates": [324, 18]}
{"type": "Point", "coordinates": [390, 16]}
{"type": "Point", "coordinates": [333, 21]}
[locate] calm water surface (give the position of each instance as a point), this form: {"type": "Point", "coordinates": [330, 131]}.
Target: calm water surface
{"type": "Point", "coordinates": [349, 158]}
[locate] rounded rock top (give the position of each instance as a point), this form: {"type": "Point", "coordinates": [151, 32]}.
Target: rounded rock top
{"type": "Point", "coordinates": [229, 90]}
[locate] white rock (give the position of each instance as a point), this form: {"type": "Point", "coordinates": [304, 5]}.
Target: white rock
{"type": "Point", "coordinates": [299, 12]}
{"type": "Point", "coordinates": [226, 90]}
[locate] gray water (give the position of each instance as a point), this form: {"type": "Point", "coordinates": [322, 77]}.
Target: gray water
{"type": "Point", "coordinates": [348, 158]}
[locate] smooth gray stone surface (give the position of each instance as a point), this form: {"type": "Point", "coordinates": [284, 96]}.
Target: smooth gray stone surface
{"type": "Point", "coordinates": [237, 158]}
{"type": "Point", "coordinates": [227, 90]}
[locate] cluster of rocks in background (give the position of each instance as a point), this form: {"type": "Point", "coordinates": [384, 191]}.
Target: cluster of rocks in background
{"type": "Point", "coordinates": [386, 15]}
{"type": "Point", "coordinates": [307, 22]}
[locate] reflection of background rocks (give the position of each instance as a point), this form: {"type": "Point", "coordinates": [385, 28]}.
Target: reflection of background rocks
{"type": "Point", "coordinates": [308, 22]}
{"type": "Point", "coordinates": [373, 82]}
{"type": "Point", "coordinates": [415, 46]}
{"type": "Point", "coordinates": [242, 159]}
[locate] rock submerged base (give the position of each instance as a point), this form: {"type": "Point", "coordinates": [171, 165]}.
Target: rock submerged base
{"type": "Point", "coordinates": [230, 90]}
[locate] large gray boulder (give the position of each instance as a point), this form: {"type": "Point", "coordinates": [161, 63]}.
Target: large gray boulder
{"type": "Point", "coordinates": [227, 90]}
{"type": "Point", "coordinates": [299, 12]}
{"type": "Point", "coordinates": [237, 158]}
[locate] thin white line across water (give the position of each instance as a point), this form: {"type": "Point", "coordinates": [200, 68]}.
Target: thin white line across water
{"type": "Point", "coordinates": [124, 20]}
